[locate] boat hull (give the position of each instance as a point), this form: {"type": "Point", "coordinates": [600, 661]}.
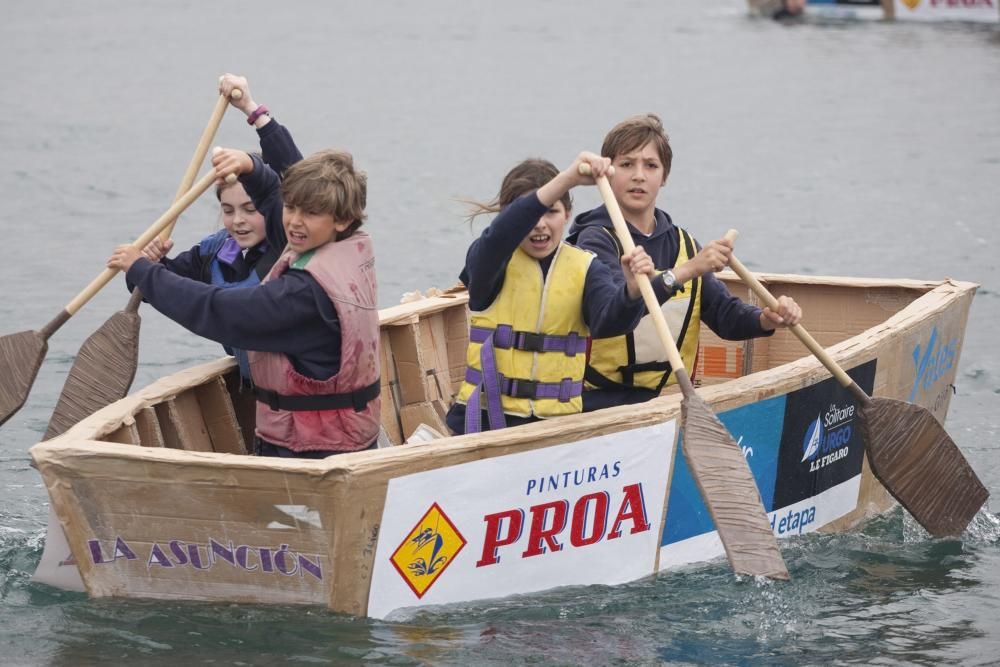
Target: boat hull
{"type": "Point", "coordinates": [600, 498]}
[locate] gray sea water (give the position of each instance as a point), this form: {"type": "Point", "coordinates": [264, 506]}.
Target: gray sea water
{"type": "Point", "coordinates": [836, 148]}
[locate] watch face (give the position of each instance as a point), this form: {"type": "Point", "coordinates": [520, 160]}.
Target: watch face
{"type": "Point", "coordinates": [668, 278]}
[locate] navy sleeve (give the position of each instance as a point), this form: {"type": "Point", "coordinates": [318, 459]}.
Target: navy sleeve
{"type": "Point", "coordinates": [488, 256]}
{"type": "Point", "coordinates": [607, 309]}
{"type": "Point", "coordinates": [285, 315]}
{"type": "Point", "coordinates": [264, 188]}
{"type": "Point", "coordinates": [189, 263]}
{"type": "Point", "coordinates": [277, 147]}
{"type": "Point", "coordinates": [726, 315]}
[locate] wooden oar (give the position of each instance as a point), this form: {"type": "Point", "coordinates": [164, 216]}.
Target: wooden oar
{"type": "Point", "coordinates": [716, 461]}
{"type": "Point", "coordinates": [105, 365]}
{"type": "Point", "coordinates": [908, 450]}
{"type": "Point", "coordinates": [21, 354]}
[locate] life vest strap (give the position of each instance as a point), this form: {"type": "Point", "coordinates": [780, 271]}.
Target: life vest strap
{"type": "Point", "coordinates": [358, 399]}
{"type": "Point", "coordinates": [564, 391]}
{"type": "Point", "coordinates": [505, 337]}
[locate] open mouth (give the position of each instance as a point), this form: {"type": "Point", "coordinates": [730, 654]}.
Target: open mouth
{"type": "Point", "coordinates": [539, 240]}
{"type": "Point", "coordinates": [296, 237]}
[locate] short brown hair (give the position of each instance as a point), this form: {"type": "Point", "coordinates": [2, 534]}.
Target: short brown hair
{"type": "Point", "coordinates": [527, 176]}
{"type": "Point", "coordinates": [327, 182]}
{"type": "Point", "coordinates": [634, 133]}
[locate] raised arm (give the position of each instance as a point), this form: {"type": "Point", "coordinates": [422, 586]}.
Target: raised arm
{"type": "Point", "coordinates": [277, 147]}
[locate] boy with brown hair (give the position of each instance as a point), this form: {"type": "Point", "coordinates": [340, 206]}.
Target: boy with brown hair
{"type": "Point", "coordinates": [633, 368]}
{"type": "Point", "coordinates": [311, 326]}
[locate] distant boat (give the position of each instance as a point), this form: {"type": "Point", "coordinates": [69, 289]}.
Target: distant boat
{"type": "Point", "coordinates": [155, 497]}
{"type": "Point", "coordinates": [977, 11]}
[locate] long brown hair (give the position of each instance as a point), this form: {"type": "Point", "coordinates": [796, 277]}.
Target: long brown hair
{"type": "Point", "coordinates": [527, 176]}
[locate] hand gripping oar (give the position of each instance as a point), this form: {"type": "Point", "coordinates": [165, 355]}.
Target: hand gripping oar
{"type": "Point", "coordinates": [908, 450]}
{"type": "Point", "coordinates": [21, 354]}
{"type": "Point", "coordinates": [105, 365]}
{"type": "Point", "coordinates": [716, 461]}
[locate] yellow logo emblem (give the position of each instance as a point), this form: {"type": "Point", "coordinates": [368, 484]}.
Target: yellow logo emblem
{"type": "Point", "coordinates": [428, 550]}
{"type": "Point", "coordinates": [912, 4]}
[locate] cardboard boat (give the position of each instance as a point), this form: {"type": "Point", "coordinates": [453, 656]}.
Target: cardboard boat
{"type": "Point", "coordinates": [155, 497]}
{"type": "Point", "coordinates": [933, 11]}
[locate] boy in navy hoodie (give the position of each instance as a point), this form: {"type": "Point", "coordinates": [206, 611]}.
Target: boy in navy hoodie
{"type": "Point", "coordinates": [633, 368]}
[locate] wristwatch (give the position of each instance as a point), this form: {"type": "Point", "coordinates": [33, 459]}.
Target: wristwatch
{"type": "Point", "coordinates": [670, 281]}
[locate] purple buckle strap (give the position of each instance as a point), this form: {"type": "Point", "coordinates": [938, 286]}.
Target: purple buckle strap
{"type": "Point", "coordinates": [488, 381]}
{"type": "Point", "coordinates": [505, 337]}
{"type": "Point", "coordinates": [563, 391]}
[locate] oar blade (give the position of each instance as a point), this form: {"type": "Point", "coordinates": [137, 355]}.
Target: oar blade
{"type": "Point", "coordinates": [728, 488]}
{"type": "Point", "coordinates": [21, 356]}
{"type": "Point", "coordinates": [102, 371]}
{"type": "Point", "coordinates": [921, 466]}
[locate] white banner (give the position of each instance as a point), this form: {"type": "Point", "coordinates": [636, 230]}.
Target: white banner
{"type": "Point", "coordinates": [984, 11]}
{"type": "Point", "coordinates": [587, 512]}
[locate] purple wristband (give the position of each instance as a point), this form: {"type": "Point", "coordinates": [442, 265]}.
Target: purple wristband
{"type": "Point", "coordinates": [257, 113]}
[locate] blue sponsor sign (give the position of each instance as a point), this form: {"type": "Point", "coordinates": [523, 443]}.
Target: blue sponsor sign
{"type": "Point", "coordinates": [757, 429]}
{"type": "Point", "coordinates": [797, 445]}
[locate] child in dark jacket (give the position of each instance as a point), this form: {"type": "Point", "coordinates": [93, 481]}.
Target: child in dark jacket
{"type": "Point", "coordinates": [243, 252]}
{"type": "Point", "coordinates": [534, 302]}
{"type": "Point", "coordinates": [633, 368]}
{"type": "Point", "coordinates": [311, 326]}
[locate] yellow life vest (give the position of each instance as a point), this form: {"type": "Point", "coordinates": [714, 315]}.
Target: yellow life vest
{"type": "Point", "coordinates": [637, 359]}
{"type": "Point", "coordinates": [536, 334]}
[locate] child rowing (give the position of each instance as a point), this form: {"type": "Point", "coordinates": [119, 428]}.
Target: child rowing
{"type": "Point", "coordinates": [535, 300]}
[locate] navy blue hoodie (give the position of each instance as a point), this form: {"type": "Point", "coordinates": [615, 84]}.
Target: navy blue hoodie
{"type": "Point", "coordinates": [726, 315]}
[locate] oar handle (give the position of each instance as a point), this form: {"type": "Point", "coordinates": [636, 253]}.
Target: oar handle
{"type": "Point", "coordinates": [764, 295]}
{"type": "Point", "coordinates": [201, 151]}
{"type": "Point", "coordinates": [645, 287]}
{"type": "Point", "coordinates": [171, 213]}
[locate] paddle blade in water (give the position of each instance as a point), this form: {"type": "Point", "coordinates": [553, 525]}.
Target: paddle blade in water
{"type": "Point", "coordinates": [21, 355]}
{"type": "Point", "coordinates": [728, 488]}
{"type": "Point", "coordinates": [102, 372]}
{"type": "Point", "coordinates": [921, 466]}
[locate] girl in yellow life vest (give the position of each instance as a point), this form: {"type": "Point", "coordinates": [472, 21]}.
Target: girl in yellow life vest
{"type": "Point", "coordinates": [633, 368]}
{"type": "Point", "coordinates": [534, 302]}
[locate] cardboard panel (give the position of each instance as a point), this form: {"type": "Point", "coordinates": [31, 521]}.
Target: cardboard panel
{"type": "Point", "coordinates": [831, 314]}
{"type": "Point", "coordinates": [389, 391]}
{"type": "Point", "coordinates": [434, 340]}
{"type": "Point", "coordinates": [456, 330]}
{"type": "Point", "coordinates": [150, 434]}
{"type": "Point", "coordinates": [184, 414]}
{"type": "Point", "coordinates": [127, 434]}
{"type": "Point", "coordinates": [408, 355]}
{"type": "Point", "coordinates": [220, 417]}
{"type": "Point", "coordinates": [141, 535]}
{"type": "Point", "coordinates": [429, 412]}
{"type": "Point", "coordinates": [171, 438]}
